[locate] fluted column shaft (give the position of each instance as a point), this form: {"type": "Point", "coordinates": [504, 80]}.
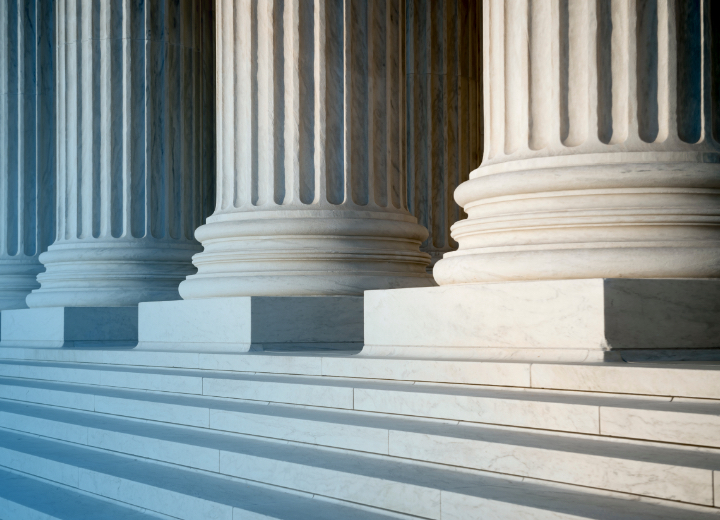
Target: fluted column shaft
{"type": "Point", "coordinates": [444, 111]}
{"type": "Point", "coordinates": [131, 151]}
{"type": "Point", "coordinates": [601, 144]}
{"type": "Point", "coordinates": [311, 152]}
{"type": "Point", "coordinates": [27, 144]}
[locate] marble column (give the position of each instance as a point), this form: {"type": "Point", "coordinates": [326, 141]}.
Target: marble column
{"type": "Point", "coordinates": [311, 153]}
{"type": "Point", "coordinates": [134, 97]}
{"type": "Point", "coordinates": [593, 228]}
{"type": "Point", "coordinates": [601, 154]}
{"type": "Point", "coordinates": [27, 144]}
{"type": "Point", "coordinates": [444, 111]}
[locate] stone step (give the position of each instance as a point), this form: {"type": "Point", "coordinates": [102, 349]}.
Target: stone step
{"type": "Point", "coordinates": [26, 498]}
{"type": "Point", "coordinates": [660, 379]}
{"type": "Point", "coordinates": [670, 474]}
{"type": "Point", "coordinates": [169, 490]}
{"type": "Point", "coordinates": [691, 422]}
{"type": "Point", "coordinates": [190, 494]}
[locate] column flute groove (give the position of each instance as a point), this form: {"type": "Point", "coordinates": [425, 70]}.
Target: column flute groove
{"type": "Point", "coordinates": [444, 111]}
{"type": "Point", "coordinates": [325, 162]}
{"type": "Point", "coordinates": [133, 156]}
{"type": "Point", "coordinates": [630, 186]}
{"type": "Point", "coordinates": [27, 144]}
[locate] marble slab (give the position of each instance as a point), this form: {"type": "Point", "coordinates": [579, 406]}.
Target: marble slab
{"type": "Point", "coordinates": [249, 323]}
{"type": "Point", "coordinates": [566, 320]}
{"type": "Point", "coordinates": [70, 327]}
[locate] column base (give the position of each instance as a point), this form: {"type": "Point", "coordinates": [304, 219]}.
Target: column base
{"type": "Point", "coordinates": [244, 323]}
{"type": "Point", "coordinates": [555, 320]}
{"type": "Point", "coordinates": [70, 327]}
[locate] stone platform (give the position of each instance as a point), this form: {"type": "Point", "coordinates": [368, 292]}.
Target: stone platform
{"type": "Point", "coordinates": [204, 435]}
{"type": "Point", "coordinates": [567, 320]}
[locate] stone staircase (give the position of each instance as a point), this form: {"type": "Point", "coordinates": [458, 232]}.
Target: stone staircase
{"type": "Point", "coordinates": [141, 434]}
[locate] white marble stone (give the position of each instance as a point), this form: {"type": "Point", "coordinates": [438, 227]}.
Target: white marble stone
{"type": "Point", "coordinates": [683, 380]}
{"type": "Point", "coordinates": [174, 491]}
{"type": "Point", "coordinates": [132, 161]}
{"type": "Point", "coordinates": [435, 370]}
{"type": "Point", "coordinates": [656, 379]}
{"type": "Point", "coordinates": [640, 469]}
{"type": "Point", "coordinates": [311, 151]}
{"type": "Point", "coordinates": [67, 327]}
{"type": "Point", "coordinates": [98, 375]}
{"type": "Point", "coordinates": [564, 320]}
{"type": "Point", "coordinates": [347, 485]}
{"type": "Point", "coordinates": [27, 144]}
{"type": "Point", "coordinates": [276, 364]}
{"type": "Point", "coordinates": [525, 411]}
{"type": "Point", "coordinates": [349, 436]}
{"type": "Point", "coordinates": [279, 391]}
{"type": "Point", "coordinates": [601, 155]}
{"type": "Point", "coordinates": [247, 323]}
{"type": "Point", "coordinates": [27, 498]}
{"type": "Point", "coordinates": [47, 396]}
{"type": "Point", "coordinates": [678, 481]}
{"type": "Point", "coordinates": [155, 411]}
{"type": "Point", "coordinates": [678, 426]}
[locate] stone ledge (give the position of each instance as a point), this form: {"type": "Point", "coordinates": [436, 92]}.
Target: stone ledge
{"type": "Point", "coordinates": [70, 327]}
{"type": "Point", "coordinates": [247, 323]}
{"type": "Point", "coordinates": [587, 320]}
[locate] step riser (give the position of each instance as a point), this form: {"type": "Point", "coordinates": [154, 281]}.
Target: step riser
{"type": "Point", "coordinates": [11, 510]}
{"type": "Point", "coordinates": [566, 417]}
{"type": "Point", "coordinates": [134, 493]}
{"type": "Point", "coordinates": [683, 484]}
{"type": "Point", "coordinates": [373, 492]}
{"type": "Point", "coordinates": [644, 380]}
{"type": "Point", "coordinates": [186, 507]}
{"type": "Point", "coordinates": [650, 425]}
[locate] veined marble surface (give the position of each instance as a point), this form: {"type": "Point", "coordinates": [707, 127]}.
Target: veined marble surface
{"type": "Point", "coordinates": [602, 156]}
{"type": "Point", "coordinates": [543, 319]}
{"type": "Point", "coordinates": [311, 148]}
{"type": "Point", "coordinates": [248, 323]}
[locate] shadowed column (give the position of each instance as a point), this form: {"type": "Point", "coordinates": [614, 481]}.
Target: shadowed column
{"type": "Point", "coordinates": [311, 153]}
{"type": "Point", "coordinates": [133, 99]}
{"type": "Point", "coordinates": [27, 144]}
{"type": "Point", "coordinates": [444, 111]}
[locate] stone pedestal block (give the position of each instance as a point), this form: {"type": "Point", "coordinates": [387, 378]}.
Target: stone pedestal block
{"type": "Point", "coordinates": [70, 327]}
{"type": "Point", "coordinates": [248, 323]}
{"type": "Point", "coordinates": [570, 320]}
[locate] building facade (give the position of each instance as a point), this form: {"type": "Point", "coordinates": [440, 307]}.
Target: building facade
{"type": "Point", "coordinates": [359, 259]}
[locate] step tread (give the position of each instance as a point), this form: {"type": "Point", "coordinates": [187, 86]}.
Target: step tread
{"type": "Point", "coordinates": [583, 445]}
{"type": "Point", "coordinates": [257, 499]}
{"type": "Point", "coordinates": [19, 493]}
{"type": "Point", "coordinates": [667, 378]}
{"type": "Point", "coordinates": [247, 496]}
{"type": "Point", "coordinates": [533, 395]}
